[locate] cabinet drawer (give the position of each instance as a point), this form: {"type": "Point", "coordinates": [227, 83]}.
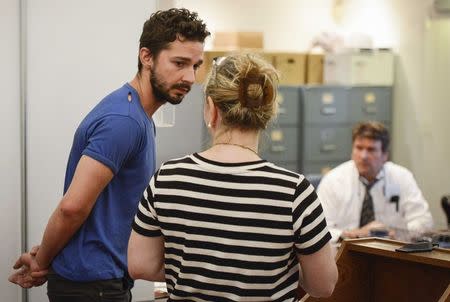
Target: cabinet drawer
{"type": "Point", "coordinates": [325, 105]}
{"type": "Point", "coordinates": [289, 106]}
{"type": "Point", "coordinates": [280, 144]}
{"type": "Point", "coordinates": [370, 103]}
{"type": "Point", "coordinates": [327, 143]}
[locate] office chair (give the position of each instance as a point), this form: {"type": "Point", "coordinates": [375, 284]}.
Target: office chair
{"type": "Point", "coordinates": [445, 203]}
{"type": "Point", "coordinates": [314, 179]}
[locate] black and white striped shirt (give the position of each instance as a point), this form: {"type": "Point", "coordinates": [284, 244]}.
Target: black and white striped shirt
{"type": "Point", "coordinates": [231, 230]}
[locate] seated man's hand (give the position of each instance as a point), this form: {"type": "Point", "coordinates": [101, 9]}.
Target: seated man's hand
{"type": "Point", "coordinates": [363, 231]}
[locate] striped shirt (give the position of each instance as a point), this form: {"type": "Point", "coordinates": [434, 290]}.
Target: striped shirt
{"type": "Point", "coordinates": [232, 231]}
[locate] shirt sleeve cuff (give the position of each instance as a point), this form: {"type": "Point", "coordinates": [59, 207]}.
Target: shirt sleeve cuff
{"type": "Point", "coordinates": [98, 157]}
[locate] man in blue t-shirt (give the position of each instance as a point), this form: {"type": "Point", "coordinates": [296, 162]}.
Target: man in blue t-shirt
{"type": "Point", "coordinates": [83, 253]}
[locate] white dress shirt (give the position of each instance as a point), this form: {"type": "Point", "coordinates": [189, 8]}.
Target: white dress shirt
{"type": "Point", "coordinates": [342, 192]}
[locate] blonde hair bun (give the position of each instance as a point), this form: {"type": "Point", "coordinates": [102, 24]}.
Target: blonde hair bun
{"type": "Point", "coordinates": [244, 88]}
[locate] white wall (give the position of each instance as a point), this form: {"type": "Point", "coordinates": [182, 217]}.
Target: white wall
{"type": "Point", "coordinates": [78, 51]}
{"type": "Point", "coordinates": [422, 101]}
{"type": "Point", "coordinates": [290, 25]}
{"type": "Point", "coordinates": [10, 146]}
{"type": "Point", "coordinates": [286, 24]}
{"type": "Point", "coordinates": [434, 173]}
{"type": "Point", "coordinates": [421, 98]}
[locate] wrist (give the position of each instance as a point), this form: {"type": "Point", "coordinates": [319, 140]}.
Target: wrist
{"type": "Point", "coordinates": [40, 263]}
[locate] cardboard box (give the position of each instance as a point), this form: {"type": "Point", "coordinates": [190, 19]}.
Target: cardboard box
{"type": "Point", "coordinates": [314, 69]}
{"type": "Point", "coordinates": [360, 67]}
{"type": "Point", "coordinates": [268, 56]}
{"type": "Point", "coordinates": [208, 57]}
{"type": "Point", "coordinates": [291, 67]}
{"type": "Point", "coordinates": [204, 69]}
{"type": "Point", "coordinates": [238, 40]}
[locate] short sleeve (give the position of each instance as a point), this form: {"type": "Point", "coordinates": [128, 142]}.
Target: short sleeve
{"type": "Point", "coordinates": [309, 224]}
{"type": "Point", "coordinates": [113, 140]}
{"type": "Point", "coordinates": [146, 221]}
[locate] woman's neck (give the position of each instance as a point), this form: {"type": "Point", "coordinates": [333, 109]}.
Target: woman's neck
{"type": "Point", "coordinates": [248, 139]}
{"type": "Point", "coordinates": [234, 146]}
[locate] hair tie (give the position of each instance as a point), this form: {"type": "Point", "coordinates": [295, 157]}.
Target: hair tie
{"type": "Point", "coordinates": [248, 101]}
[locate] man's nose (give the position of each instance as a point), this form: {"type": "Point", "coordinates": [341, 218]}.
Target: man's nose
{"type": "Point", "coordinates": [363, 154]}
{"type": "Point", "coordinates": [189, 76]}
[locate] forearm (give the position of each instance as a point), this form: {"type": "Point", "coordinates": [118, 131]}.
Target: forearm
{"type": "Point", "coordinates": [326, 287]}
{"type": "Point", "coordinates": [146, 269]}
{"type": "Point", "coordinates": [89, 180]}
{"type": "Point", "coordinates": [60, 228]}
{"type": "Point", "coordinates": [146, 257]}
{"type": "Point", "coordinates": [152, 272]}
{"type": "Point", "coordinates": [318, 272]}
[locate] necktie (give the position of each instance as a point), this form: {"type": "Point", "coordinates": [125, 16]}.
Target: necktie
{"type": "Point", "coordinates": [367, 212]}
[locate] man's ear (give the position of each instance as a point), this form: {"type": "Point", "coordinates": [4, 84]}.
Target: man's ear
{"type": "Point", "coordinates": [146, 57]}
{"type": "Point", "coordinates": [385, 156]}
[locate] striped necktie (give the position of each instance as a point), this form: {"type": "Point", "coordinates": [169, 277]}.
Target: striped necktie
{"type": "Point", "coordinates": [367, 211]}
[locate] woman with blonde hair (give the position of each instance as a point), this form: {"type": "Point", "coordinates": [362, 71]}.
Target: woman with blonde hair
{"type": "Point", "coordinates": [224, 224]}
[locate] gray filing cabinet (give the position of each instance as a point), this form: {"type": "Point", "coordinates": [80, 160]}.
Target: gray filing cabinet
{"type": "Point", "coordinates": [370, 103]}
{"type": "Point", "coordinates": [329, 113]}
{"type": "Point", "coordinates": [313, 130]}
{"type": "Point", "coordinates": [280, 142]}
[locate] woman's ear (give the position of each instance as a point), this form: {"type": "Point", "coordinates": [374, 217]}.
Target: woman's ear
{"type": "Point", "coordinates": [212, 112]}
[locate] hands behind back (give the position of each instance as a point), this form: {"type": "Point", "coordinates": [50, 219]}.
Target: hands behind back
{"type": "Point", "coordinates": [28, 273]}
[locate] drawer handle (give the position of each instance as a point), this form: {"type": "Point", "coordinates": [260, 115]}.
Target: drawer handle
{"type": "Point", "coordinates": [328, 110]}
{"type": "Point", "coordinates": [278, 148]}
{"type": "Point", "coordinates": [328, 148]}
{"type": "Point", "coordinates": [370, 109]}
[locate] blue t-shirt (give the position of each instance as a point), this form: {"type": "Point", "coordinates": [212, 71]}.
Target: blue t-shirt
{"type": "Point", "coordinates": [119, 134]}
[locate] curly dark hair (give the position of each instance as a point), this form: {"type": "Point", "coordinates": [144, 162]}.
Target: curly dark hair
{"type": "Point", "coordinates": [163, 27]}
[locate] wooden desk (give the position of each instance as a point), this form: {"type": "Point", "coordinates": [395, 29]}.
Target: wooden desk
{"type": "Point", "coordinates": [370, 270]}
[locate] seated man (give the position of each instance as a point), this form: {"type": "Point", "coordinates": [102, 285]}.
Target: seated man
{"type": "Point", "coordinates": [369, 193]}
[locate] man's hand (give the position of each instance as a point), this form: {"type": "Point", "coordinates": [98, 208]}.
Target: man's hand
{"type": "Point", "coordinates": [28, 273]}
{"type": "Point", "coordinates": [364, 231]}
{"type": "Point", "coordinates": [22, 277]}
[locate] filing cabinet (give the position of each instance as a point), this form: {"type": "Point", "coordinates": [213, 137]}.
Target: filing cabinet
{"type": "Point", "coordinates": [326, 142]}
{"type": "Point", "coordinates": [288, 99]}
{"type": "Point", "coordinates": [282, 144]}
{"type": "Point", "coordinates": [319, 167]}
{"type": "Point", "coordinates": [370, 103]}
{"type": "Point", "coordinates": [366, 67]}
{"type": "Point", "coordinates": [280, 141]}
{"type": "Point", "coordinates": [329, 114]}
{"type": "Point", "coordinates": [325, 104]}
{"type": "Point", "coordinates": [312, 132]}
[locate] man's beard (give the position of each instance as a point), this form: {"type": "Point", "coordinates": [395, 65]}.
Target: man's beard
{"type": "Point", "coordinates": [161, 92]}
